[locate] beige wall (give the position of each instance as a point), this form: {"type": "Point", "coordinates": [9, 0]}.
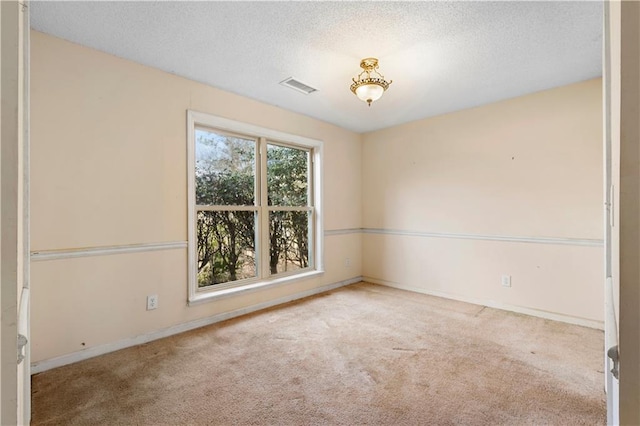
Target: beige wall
{"type": "Point", "coordinates": [109, 168]}
{"type": "Point", "coordinates": [529, 168]}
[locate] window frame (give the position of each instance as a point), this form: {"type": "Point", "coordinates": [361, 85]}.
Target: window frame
{"type": "Point", "coordinates": [263, 137]}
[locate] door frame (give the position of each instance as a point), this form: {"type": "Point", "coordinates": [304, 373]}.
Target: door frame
{"type": "Point", "coordinates": [14, 239]}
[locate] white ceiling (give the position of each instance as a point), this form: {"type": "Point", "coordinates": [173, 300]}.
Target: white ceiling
{"type": "Point", "coordinates": [442, 56]}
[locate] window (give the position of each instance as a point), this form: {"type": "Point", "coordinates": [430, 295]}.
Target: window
{"type": "Point", "coordinates": [254, 207]}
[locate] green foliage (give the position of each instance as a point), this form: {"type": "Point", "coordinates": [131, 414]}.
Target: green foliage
{"type": "Point", "coordinates": [225, 175]}
{"type": "Point", "coordinates": [225, 246]}
{"type": "Point", "coordinates": [287, 183]}
{"type": "Point", "coordinates": [287, 176]}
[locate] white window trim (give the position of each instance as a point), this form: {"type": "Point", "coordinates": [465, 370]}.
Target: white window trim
{"type": "Point", "coordinates": [194, 118]}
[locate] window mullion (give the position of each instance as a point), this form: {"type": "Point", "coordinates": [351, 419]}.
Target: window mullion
{"type": "Point", "coordinates": [229, 208]}
{"type": "Point", "coordinates": [257, 236]}
{"type": "Point", "coordinates": [289, 208]}
{"type": "Point", "coordinates": [311, 231]}
{"type": "Point", "coordinates": [263, 210]}
{"type": "Point", "coordinates": [310, 166]}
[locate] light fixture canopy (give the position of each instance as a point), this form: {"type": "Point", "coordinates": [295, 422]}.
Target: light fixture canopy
{"type": "Point", "coordinates": [369, 88]}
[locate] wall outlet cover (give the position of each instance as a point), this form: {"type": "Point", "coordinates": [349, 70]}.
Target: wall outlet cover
{"type": "Point", "coordinates": [152, 302]}
{"type": "Point", "coordinates": [506, 281]}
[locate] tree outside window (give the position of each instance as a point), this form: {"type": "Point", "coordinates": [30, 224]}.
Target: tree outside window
{"type": "Point", "coordinates": [232, 204]}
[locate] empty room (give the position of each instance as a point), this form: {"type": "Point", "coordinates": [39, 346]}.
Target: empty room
{"type": "Point", "coordinates": [319, 213]}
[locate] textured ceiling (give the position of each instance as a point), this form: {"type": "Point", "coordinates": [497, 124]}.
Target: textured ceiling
{"type": "Point", "coordinates": [441, 56]}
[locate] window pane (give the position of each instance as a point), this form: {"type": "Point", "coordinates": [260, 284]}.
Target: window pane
{"type": "Point", "coordinates": [287, 176]}
{"type": "Point", "coordinates": [226, 246]}
{"type": "Point", "coordinates": [225, 169]}
{"type": "Point", "coordinates": [288, 241]}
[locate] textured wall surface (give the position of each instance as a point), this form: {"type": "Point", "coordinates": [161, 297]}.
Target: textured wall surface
{"type": "Point", "coordinates": [449, 204]}
{"type": "Point", "coordinates": [510, 188]}
{"type": "Point", "coordinates": [109, 168]}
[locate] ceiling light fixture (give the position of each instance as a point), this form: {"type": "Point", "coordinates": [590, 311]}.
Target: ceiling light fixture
{"type": "Point", "coordinates": [371, 87]}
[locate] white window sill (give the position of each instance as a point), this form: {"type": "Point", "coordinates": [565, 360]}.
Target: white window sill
{"type": "Point", "coordinates": [210, 295]}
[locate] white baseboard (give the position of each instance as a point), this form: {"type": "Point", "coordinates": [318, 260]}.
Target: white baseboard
{"type": "Point", "coordinates": [493, 304]}
{"type": "Point", "coordinates": [48, 364]}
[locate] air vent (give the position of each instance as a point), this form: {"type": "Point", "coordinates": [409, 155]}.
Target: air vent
{"type": "Point", "coordinates": [298, 85]}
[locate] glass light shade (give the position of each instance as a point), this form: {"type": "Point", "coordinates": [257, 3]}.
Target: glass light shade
{"type": "Point", "coordinates": [369, 92]}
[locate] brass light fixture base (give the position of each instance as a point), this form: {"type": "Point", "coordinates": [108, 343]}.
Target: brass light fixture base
{"type": "Point", "coordinates": [369, 64]}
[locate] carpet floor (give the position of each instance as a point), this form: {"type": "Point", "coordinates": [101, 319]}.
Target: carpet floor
{"type": "Point", "coordinates": [359, 355]}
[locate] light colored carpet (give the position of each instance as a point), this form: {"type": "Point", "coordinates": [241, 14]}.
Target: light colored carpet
{"type": "Point", "coordinates": [363, 354]}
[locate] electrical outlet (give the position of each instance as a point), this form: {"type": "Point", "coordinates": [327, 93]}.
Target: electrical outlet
{"type": "Point", "coordinates": [347, 262]}
{"type": "Point", "coordinates": [152, 302]}
{"type": "Point", "coordinates": [506, 281]}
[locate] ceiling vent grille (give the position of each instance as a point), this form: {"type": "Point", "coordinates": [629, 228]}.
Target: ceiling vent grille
{"type": "Point", "coordinates": [299, 86]}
